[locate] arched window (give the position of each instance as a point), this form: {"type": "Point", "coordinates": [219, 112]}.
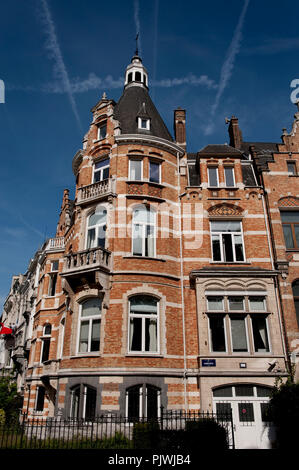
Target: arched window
{"type": "Point", "coordinates": [143, 401]}
{"type": "Point", "coordinates": [143, 324]}
{"type": "Point", "coordinates": [83, 402]}
{"type": "Point", "coordinates": [96, 228]}
{"type": "Point", "coordinates": [144, 231]}
{"type": "Point", "coordinates": [295, 287]}
{"type": "Point", "coordinates": [90, 325]}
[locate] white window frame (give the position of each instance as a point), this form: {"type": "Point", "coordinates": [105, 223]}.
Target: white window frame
{"type": "Point", "coordinates": [264, 302]}
{"type": "Point", "coordinates": [217, 176]}
{"type": "Point", "coordinates": [96, 227]}
{"type": "Point", "coordinates": [233, 234]}
{"type": "Point", "coordinates": [245, 316]}
{"type": "Point", "coordinates": [248, 315]}
{"type": "Point", "coordinates": [215, 310]}
{"type": "Point", "coordinates": [90, 319]}
{"type": "Point", "coordinates": [159, 165]}
{"type": "Point", "coordinates": [148, 124]}
{"type": "Point", "coordinates": [101, 126]}
{"type": "Point", "coordinates": [61, 337]}
{"type": "Point", "coordinates": [268, 334]}
{"type": "Point", "coordinates": [233, 173]}
{"type": "Point", "coordinates": [141, 169]}
{"type": "Point", "coordinates": [143, 317]}
{"type": "Point", "coordinates": [144, 226]}
{"type": "Point", "coordinates": [143, 399]}
{"type": "Point", "coordinates": [100, 170]}
{"type": "Point", "coordinates": [235, 310]}
{"type": "Point", "coordinates": [47, 337]}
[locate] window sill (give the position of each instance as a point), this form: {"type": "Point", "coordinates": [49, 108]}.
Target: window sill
{"type": "Point", "coordinates": [230, 262]}
{"type": "Point", "coordinates": [87, 354]}
{"type": "Point", "coordinates": [144, 258]}
{"type": "Point", "coordinates": [143, 354]}
{"type": "Point", "coordinates": [289, 250]}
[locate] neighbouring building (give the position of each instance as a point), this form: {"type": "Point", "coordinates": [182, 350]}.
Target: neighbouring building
{"type": "Point", "coordinates": [169, 282]}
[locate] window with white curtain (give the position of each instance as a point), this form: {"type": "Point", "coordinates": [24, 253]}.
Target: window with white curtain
{"type": "Point", "coordinates": [242, 318]}
{"type": "Point", "coordinates": [135, 170]}
{"type": "Point", "coordinates": [143, 231]}
{"type": "Point", "coordinates": [96, 228]}
{"type": "Point", "coordinates": [143, 324]}
{"type": "Point", "coordinates": [90, 325]}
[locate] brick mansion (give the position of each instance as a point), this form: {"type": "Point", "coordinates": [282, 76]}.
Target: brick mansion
{"type": "Point", "coordinates": [173, 277]}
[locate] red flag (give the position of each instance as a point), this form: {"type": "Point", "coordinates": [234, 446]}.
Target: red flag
{"type": "Point", "coordinates": [4, 330]}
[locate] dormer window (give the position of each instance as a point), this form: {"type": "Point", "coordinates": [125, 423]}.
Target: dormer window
{"type": "Point", "coordinates": [102, 131]}
{"type": "Point", "coordinates": [144, 123]}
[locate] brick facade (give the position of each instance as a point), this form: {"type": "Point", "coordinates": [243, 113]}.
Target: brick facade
{"type": "Point", "coordinates": [186, 257]}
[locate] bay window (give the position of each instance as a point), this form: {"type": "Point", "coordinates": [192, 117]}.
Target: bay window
{"type": "Point", "coordinates": [143, 324]}
{"type": "Point", "coordinates": [227, 241]}
{"type": "Point", "coordinates": [244, 318]}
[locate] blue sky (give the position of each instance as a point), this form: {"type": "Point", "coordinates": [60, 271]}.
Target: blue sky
{"type": "Point", "coordinates": [214, 59]}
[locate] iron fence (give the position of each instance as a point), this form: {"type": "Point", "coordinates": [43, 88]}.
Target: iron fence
{"type": "Point", "coordinates": [172, 429]}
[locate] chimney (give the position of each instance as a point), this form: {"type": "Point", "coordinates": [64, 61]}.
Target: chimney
{"type": "Point", "coordinates": [180, 127]}
{"type": "Point", "coordinates": [235, 133]}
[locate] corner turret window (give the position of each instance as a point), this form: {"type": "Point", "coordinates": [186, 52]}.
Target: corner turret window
{"type": "Point", "coordinates": [130, 77]}
{"type": "Point", "coordinates": [154, 172]}
{"type": "Point", "coordinates": [102, 131]}
{"type": "Point", "coordinates": [144, 123]}
{"type": "Point", "coordinates": [135, 170]}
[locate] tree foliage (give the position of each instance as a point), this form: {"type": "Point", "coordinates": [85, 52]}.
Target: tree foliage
{"type": "Point", "coordinates": [10, 399]}
{"type": "Point", "coordinates": [284, 409]}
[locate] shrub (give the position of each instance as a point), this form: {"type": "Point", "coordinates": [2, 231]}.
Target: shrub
{"type": "Point", "coordinates": [146, 435]}
{"type": "Point", "coordinates": [284, 411]}
{"type": "Point", "coordinates": [2, 417]}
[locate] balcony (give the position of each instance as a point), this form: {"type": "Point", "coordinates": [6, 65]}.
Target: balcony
{"type": "Point", "coordinates": [55, 244]}
{"type": "Point", "coordinates": [90, 266]}
{"type": "Point", "coordinates": [98, 190]}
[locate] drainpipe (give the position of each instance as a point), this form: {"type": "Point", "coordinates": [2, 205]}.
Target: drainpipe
{"type": "Point", "coordinates": [182, 286]}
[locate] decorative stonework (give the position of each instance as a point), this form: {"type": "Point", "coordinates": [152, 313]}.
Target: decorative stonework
{"type": "Point", "coordinates": [289, 202]}
{"type": "Point", "coordinates": [135, 189]}
{"type": "Point", "coordinates": [225, 210]}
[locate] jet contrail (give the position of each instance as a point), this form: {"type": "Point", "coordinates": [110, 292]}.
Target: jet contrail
{"type": "Point", "coordinates": [228, 64]}
{"type": "Point", "coordinates": [53, 47]}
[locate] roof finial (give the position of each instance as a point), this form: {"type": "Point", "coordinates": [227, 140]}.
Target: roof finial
{"type": "Point", "coordinates": [137, 36]}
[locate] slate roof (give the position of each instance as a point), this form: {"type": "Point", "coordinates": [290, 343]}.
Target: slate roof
{"type": "Point", "coordinates": [219, 149]}
{"type": "Point", "coordinates": [130, 106]}
{"type": "Point", "coordinates": [264, 151]}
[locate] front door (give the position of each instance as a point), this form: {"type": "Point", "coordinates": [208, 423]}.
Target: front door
{"type": "Point", "coordinates": [249, 406]}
